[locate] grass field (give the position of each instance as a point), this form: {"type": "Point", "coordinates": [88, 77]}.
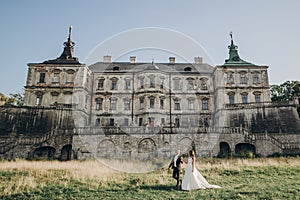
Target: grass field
{"type": "Point", "coordinates": [261, 178]}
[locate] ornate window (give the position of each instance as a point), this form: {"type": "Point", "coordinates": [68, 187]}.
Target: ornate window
{"type": "Point", "coordinates": [205, 104]}
{"type": "Point", "coordinates": [126, 104]}
{"type": "Point", "coordinates": [203, 84]}
{"type": "Point", "coordinates": [255, 78]}
{"type": "Point", "coordinates": [113, 103]}
{"type": "Point", "coordinates": [162, 80]}
{"type": "Point", "coordinates": [127, 84]}
{"type": "Point", "coordinates": [176, 104]}
{"type": "Point", "coordinates": [97, 122]}
{"type": "Point", "coordinates": [152, 81]}
{"type": "Point", "coordinates": [230, 78]}
{"type": "Point", "coordinates": [162, 121]}
{"type": "Point", "coordinates": [231, 97]}
{"type": "Point", "coordinates": [70, 76]}
{"type": "Point", "coordinates": [39, 98]}
{"type": "Point", "coordinates": [177, 84]}
{"type": "Point", "coordinates": [177, 122]}
{"type": "Point", "coordinates": [243, 78]}
{"type": "Point", "coordinates": [152, 102]}
{"type": "Point", "coordinates": [161, 104]}
{"type": "Point", "coordinates": [191, 104]}
{"type": "Point", "coordinates": [142, 102]}
{"type": "Point", "coordinates": [192, 121]}
{"type": "Point", "coordinates": [190, 84]}
{"type": "Point", "coordinates": [114, 84]}
{"type": "Point", "coordinates": [42, 77]}
{"type": "Point", "coordinates": [99, 103]}
{"type": "Point", "coordinates": [100, 84]}
{"type": "Point", "coordinates": [257, 96]}
{"type": "Point", "coordinates": [244, 97]}
{"type": "Point", "coordinates": [56, 77]}
{"type": "Point", "coordinates": [142, 82]}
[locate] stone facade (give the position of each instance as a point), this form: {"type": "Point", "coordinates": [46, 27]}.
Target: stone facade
{"type": "Point", "coordinates": [132, 110]}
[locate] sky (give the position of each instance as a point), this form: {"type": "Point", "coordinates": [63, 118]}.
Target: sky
{"type": "Point", "coordinates": [266, 32]}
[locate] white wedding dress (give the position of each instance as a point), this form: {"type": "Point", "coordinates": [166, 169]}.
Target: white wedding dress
{"type": "Point", "coordinates": [194, 180]}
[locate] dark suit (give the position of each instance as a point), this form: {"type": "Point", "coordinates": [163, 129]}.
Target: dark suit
{"type": "Point", "coordinates": [177, 169]}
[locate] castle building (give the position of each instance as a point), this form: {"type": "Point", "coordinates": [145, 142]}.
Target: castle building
{"type": "Point", "coordinates": [145, 94]}
{"type": "Point", "coordinates": [146, 110]}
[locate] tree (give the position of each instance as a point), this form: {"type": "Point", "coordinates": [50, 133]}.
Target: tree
{"type": "Point", "coordinates": [16, 99]}
{"type": "Point", "coordinates": [285, 91]}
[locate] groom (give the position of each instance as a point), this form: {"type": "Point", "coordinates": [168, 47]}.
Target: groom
{"type": "Point", "coordinates": [176, 164]}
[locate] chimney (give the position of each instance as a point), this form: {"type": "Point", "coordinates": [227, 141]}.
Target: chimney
{"type": "Point", "coordinates": [107, 59]}
{"type": "Point", "coordinates": [132, 59]}
{"type": "Point", "coordinates": [198, 60]}
{"type": "Point", "coordinates": [171, 60]}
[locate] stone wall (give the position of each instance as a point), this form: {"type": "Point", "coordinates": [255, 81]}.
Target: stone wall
{"type": "Point", "coordinates": [25, 130]}
{"type": "Point", "coordinates": [50, 133]}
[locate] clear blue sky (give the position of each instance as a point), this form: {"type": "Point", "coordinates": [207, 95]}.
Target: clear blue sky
{"type": "Point", "coordinates": [267, 32]}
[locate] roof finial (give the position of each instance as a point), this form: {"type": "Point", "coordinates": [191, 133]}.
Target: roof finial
{"type": "Point", "coordinates": [70, 31]}
{"type": "Point", "coordinates": [231, 35]}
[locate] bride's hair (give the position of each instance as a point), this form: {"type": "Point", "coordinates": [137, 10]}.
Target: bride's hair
{"type": "Point", "coordinates": [192, 153]}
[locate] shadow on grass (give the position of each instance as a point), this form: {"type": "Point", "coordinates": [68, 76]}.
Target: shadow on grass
{"type": "Point", "coordinates": [145, 187]}
{"type": "Point", "coordinates": [158, 187]}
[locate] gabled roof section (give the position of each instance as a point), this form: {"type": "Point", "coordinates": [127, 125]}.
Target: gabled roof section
{"type": "Point", "coordinates": [67, 56]}
{"type": "Point", "coordinates": [234, 58]}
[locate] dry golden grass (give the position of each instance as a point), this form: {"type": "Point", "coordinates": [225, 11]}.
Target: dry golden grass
{"type": "Point", "coordinates": [236, 163]}
{"type": "Point", "coordinates": [26, 175]}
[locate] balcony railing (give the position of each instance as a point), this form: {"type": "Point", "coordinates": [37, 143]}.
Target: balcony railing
{"type": "Point", "coordinates": [132, 130]}
{"type": "Point", "coordinates": [260, 104]}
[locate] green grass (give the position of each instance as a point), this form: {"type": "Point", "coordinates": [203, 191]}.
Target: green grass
{"type": "Point", "coordinates": [239, 179]}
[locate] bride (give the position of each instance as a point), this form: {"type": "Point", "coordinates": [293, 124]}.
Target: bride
{"type": "Point", "coordinates": [192, 179]}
